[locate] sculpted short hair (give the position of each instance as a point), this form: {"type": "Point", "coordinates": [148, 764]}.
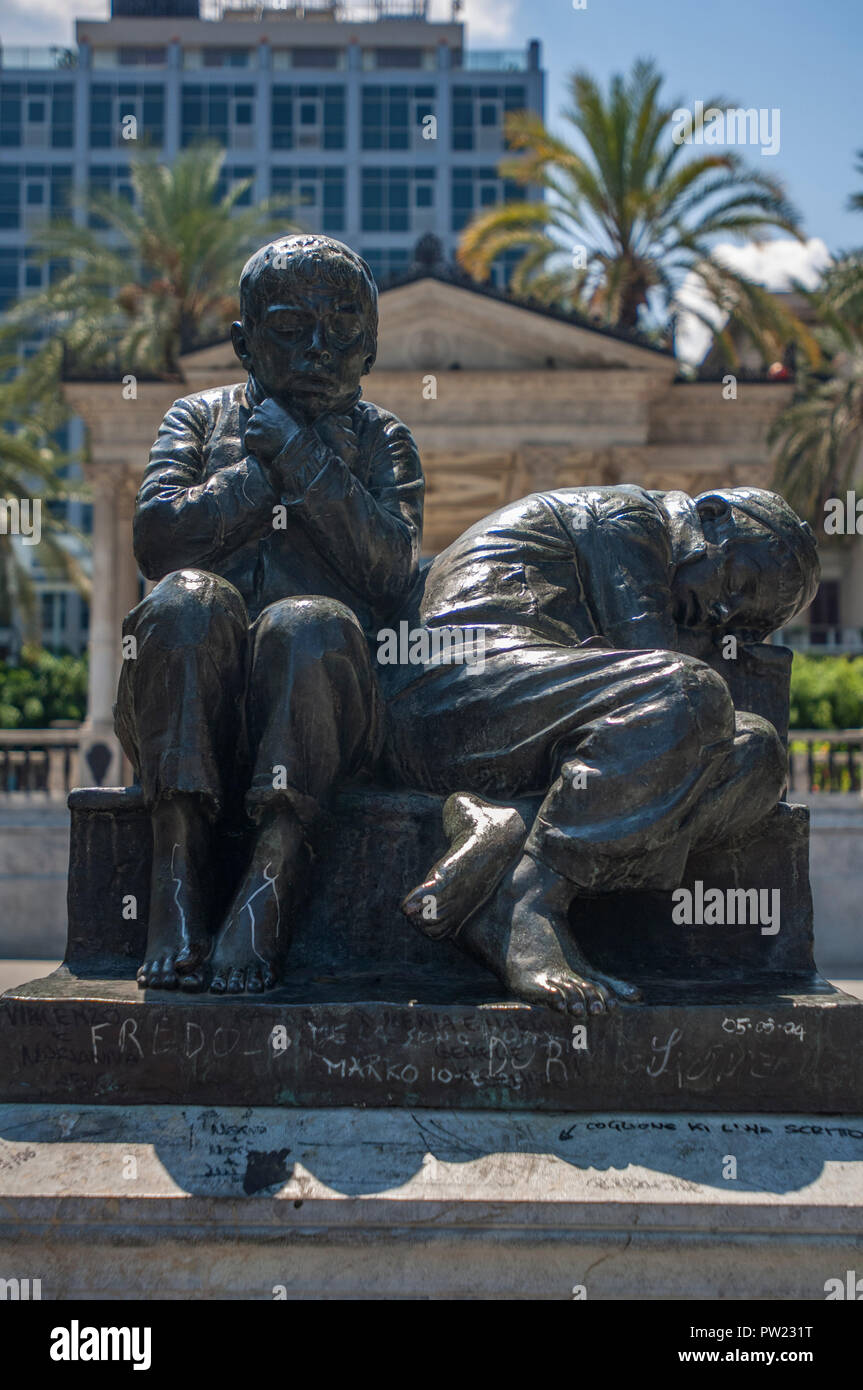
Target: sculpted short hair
{"type": "Point", "coordinates": [305, 260]}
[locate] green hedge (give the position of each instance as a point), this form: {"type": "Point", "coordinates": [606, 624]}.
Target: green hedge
{"type": "Point", "coordinates": [41, 689]}
{"type": "Point", "coordinates": [826, 692]}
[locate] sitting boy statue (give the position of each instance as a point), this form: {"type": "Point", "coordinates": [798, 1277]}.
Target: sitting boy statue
{"type": "Point", "coordinates": [282, 517]}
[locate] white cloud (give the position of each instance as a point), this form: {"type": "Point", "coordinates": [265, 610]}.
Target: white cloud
{"type": "Point", "coordinates": [774, 264]}
{"type": "Point", "coordinates": [39, 23]}
{"type": "Point", "coordinates": [489, 21]}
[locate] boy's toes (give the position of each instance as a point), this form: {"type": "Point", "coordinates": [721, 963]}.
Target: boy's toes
{"type": "Point", "coordinates": [158, 973]}
{"type": "Point", "coordinates": [621, 988]}
{"type": "Point", "coordinates": [193, 981]}
{"type": "Point", "coordinates": [595, 997]}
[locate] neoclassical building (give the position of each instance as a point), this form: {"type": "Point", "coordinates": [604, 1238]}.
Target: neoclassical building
{"type": "Point", "coordinates": [503, 398]}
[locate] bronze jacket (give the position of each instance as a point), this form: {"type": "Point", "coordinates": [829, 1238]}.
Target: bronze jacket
{"type": "Point", "coordinates": [568, 566]}
{"type": "Point", "coordinates": [350, 528]}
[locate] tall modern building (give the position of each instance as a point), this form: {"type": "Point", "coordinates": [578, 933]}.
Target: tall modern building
{"type": "Point", "coordinates": [377, 127]}
{"type": "Point", "coordinates": [376, 130]}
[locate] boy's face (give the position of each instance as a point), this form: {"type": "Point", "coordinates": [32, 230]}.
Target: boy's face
{"type": "Point", "coordinates": [732, 585]}
{"type": "Point", "coordinates": [305, 345]}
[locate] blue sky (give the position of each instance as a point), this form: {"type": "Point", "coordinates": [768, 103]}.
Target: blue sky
{"type": "Point", "coordinates": [803, 56]}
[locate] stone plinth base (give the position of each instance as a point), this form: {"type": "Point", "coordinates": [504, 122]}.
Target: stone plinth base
{"type": "Point", "coordinates": [190, 1203]}
{"type": "Point", "coordinates": [374, 1014]}
{"type": "Point", "coordinates": [360, 1040]}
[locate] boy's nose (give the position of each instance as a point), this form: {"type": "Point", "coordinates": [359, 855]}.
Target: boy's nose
{"type": "Point", "coordinates": [318, 349]}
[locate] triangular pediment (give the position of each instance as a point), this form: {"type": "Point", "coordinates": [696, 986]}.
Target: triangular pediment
{"type": "Point", "coordinates": [433, 325]}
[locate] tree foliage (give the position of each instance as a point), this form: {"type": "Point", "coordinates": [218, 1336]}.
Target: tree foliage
{"type": "Point", "coordinates": [629, 213]}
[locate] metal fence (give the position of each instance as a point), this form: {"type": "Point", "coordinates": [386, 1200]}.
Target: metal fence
{"type": "Point", "coordinates": [821, 760]}
{"type": "Point", "coordinates": [42, 761]}
{"type": "Point", "coordinates": [45, 761]}
{"type": "Point", "coordinates": [820, 639]}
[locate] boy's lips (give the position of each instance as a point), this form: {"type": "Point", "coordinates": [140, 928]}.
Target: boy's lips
{"type": "Point", "coordinates": [312, 379]}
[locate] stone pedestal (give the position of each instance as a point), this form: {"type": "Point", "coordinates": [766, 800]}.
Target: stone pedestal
{"type": "Point", "coordinates": [374, 1014]}
{"type": "Point", "coordinates": [190, 1203]}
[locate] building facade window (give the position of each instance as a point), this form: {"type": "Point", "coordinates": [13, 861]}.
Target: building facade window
{"type": "Point", "coordinates": [318, 58]}
{"type": "Point", "coordinates": [387, 263]}
{"type": "Point", "coordinates": [37, 115]}
{"type": "Point", "coordinates": [224, 113]}
{"type": "Point", "coordinates": [36, 276]}
{"type": "Point", "coordinates": [314, 198]}
{"type": "Point", "coordinates": [212, 57]}
{"type": "Point", "coordinates": [500, 270]}
{"type": "Point", "coordinates": [392, 117]}
{"type": "Point", "coordinates": [109, 178]}
{"type": "Point", "coordinates": [228, 180]}
{"type": "Point", "coordinates": [399, 58]}
{"type": "Point", "coordinates": [33, 193]}
{"type": "Point", "coordinates": [478, 114]}
{"type": "Point", "coordinates": [476, 189]}
{"type": "Point", "coordinates": [308, 117]}
{"type": "Point", "coordinates": [10, 269]}
{"type": "Point", "coordinates": [142, 57]}
{"type": "Point", "coordinates": [226, 57]}
{"type": "Point", "coordinates": [112, 103]}
{"type": "Point", "coordinates": [824, 614]}
{"type": "Point", "coordinates": [398, 199]}
{"type": "Point", "coordinates": [54, 619]}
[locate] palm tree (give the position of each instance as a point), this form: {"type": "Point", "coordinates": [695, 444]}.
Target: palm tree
{"type": "Point", "coordinates": [855, 201]}
{"type": "Point", "coordinates": [30, 465]}
{"type": "Point", "coordinates": [164, 281]}
{"type": "Point", "coordinates": [631, 217]}
{"type": "Point", "coordinates": [819, 437]}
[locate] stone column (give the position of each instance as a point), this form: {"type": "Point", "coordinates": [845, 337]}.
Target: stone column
{"type": "Point", "coordinates": [115, 591]}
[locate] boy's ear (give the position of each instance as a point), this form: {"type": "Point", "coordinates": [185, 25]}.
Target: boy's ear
{"type": "Point", "coordinates": [241, 347]}
{"type": "Point", "coordinates": [712, 506]}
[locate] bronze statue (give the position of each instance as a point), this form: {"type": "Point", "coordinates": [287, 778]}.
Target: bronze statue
{"type": "Point", "coordinates": [282, 517]}
{"type": "Point", "coordinates": [539, 744]}
{"type": "Point", "coordinates": [600, 609]}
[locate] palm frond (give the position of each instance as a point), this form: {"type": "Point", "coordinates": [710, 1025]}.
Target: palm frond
{"type": "Point", "coordinates": [647, 210]}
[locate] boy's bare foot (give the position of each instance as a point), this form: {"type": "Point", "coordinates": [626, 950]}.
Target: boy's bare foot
{"type": "Point", "coordinates": [178, 936]}
{"type": "Point", "coordinates": [484, 838]}
{"type": "Point", "coordinates": [523, 935]}
{"type": "Point", "coordinates": [254, 937]}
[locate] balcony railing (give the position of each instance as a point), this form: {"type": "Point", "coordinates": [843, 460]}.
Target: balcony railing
{"type": "Point", "coordinates": [494, 60]}
{"type": "Point", "coordinates": [38, 58]}
{"type": "Point", "coordinates": [823, 640]}
{"type": "Point", "coordinates": [40, 762]}
{"type": "Point", "coordinates": [43, 763]}
{"type": "Point", "coordinates": [825, 760]}
{"type": "Point", "coordinates": [358, 11]}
